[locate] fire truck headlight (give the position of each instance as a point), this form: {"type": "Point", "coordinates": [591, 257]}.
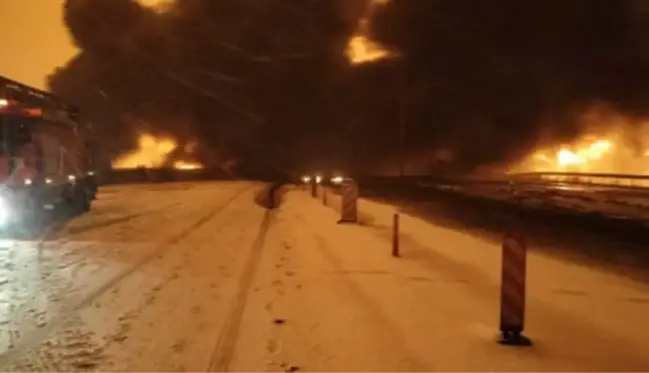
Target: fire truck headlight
{"type": "Point", "coordinates": [4, 212]}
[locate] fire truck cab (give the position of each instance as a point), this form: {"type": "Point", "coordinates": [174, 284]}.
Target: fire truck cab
{"type": "Point", "coordinates": [45, 156]}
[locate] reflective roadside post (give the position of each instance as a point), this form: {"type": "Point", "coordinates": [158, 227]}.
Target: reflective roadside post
{"type": "Point", "coordinates": [314, 188]}
{"type": "Point", "coordinates": [395, 235]}
{"type": "Point", "coordinates": [349, 210]}
{"type": "Point", "coordinates": [512, 291]}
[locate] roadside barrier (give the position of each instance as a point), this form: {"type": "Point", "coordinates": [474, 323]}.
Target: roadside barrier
{"type": "Point", "coordinates": [512, 292]}
{"type": "Point", "coordinates": [395, 235]}
{"type": "Point", "coordinates": [349, 210]}
{"type": "Point", "coordinates": [314, 189]}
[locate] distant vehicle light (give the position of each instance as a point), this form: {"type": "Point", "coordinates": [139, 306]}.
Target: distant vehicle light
{"type": "Point", "coordinates": [91, 173]}
{"type": "Point", "coordinates": [318, 179]}
{"type": "Point", "coordinates": [337, 180]}
{"type": "Point", "coordinates": [28, 181]}
{"type": "Point", "coordinates": [72, 178]}
{"type": "Point", "coordinates": [3, 102]}
{"type": "Point", "coordinates": [48, 181]}
{"type": "Point", "coordinates": [306, 179]}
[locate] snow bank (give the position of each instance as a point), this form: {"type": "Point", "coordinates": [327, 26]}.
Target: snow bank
{"type": "Point", "coordinates": [439, 302]}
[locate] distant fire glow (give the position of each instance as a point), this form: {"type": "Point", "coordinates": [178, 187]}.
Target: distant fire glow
{"type": "Point", "coordinates": [591, 152]}
{"type": "Point", "coordinates": [360, 48]}
{"type": "Point", "coordinates": [159, 6]}
{"type": "Point", "coordinates": [183, 165]}
{"type": "Point", "coordinates": [615, 144]}
{"type": "Point", "coordinates": [153, 152]}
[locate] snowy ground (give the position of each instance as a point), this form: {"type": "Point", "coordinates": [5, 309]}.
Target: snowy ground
{"type": "Point", "coordinates": [441, 299]}
{"type": "Point", "coordinates": [196, 277]}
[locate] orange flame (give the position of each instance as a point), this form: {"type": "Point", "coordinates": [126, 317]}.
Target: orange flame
{"type": "Point", "coordinates": [153, 152]}
{"type": "Point", "coordinates": [158, 6]}
{"type": "Point", "coordinates": [184, 165]}
{"type": "Point", "coordinates": [582, 156]}
{"type": "Point", "coordinates": [613, 143]}
{"type": "Point", "coordinates": [360, 49]}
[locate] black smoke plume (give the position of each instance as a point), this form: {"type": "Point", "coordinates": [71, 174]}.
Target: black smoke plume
{"type": "Point", "coordinates": [267, 81]}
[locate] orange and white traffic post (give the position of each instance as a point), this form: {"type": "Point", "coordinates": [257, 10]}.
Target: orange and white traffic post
{"type": "Point", "coordinates": [395, 235]}
{"type": "Point", "coordinates": [349, 208]}
{"type": "Point", "coordinates": [512, 292]}
{"type": "Point", "coordinates": [314, 188]}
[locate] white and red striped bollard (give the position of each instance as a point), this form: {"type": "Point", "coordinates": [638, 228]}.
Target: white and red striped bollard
{"type": "Point", "coordinates": [512, 293]}
{"type": "Point", "coordinates": [349, 207]}
{"type": "Point", "coordinates": [395, 235]}
{"type": "Point", "coordinates": [314, 189]}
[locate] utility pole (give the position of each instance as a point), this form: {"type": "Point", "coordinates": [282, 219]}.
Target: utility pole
{"type": "Point", "coordinates": [402, 116]}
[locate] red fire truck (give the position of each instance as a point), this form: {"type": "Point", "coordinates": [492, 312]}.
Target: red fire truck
{"type": "Point", "coordinates": [45, 155]}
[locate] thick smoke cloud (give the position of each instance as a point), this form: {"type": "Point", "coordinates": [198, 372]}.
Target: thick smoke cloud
{"type": "Point", "coordinates": [267, 80]}
{"type": "Point", "coordinates": [488, 78]}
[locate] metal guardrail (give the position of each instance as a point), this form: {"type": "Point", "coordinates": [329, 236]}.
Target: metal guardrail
{"type": "Point", "coordinates": [628, 182]}
{"type": "Point", "coordinates": [157, 175]}
{"type": "Point", "coordinates": [633, 181]}
{"type": "Point", "coordinates": [582, 174]}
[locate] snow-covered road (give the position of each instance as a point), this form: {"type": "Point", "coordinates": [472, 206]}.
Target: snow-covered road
{"type": "Point", "coordinates": [143, 282]}
{"type": "Point", "coordinates": [197, 276]}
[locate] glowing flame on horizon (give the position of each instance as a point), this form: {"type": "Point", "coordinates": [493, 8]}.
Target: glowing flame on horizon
{"type": "Point", "coordinates": [184, 165]}
{"type": "Point", "coordinates": [594, 151]}
{"type": "Point", "coordinates": [602, 155]}
{"type": "Point", "coordinates": [582, 156]}
{"type": "Point", "coordinates": [158, 6]}
{"type": "Point", "coordinates": [154, 152]}
{"type": "Point", "coordinates": [612, 143]}
{"type": "Point", "coordinates": [151, 152]}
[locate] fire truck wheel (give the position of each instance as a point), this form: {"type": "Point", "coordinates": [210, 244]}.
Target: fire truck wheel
{"type": "Point", "coordinates": [77, 202]}
{"type": "Point", "coordinates": [85, 201]}
{"type": "Point", "coordinates": [82, 200]}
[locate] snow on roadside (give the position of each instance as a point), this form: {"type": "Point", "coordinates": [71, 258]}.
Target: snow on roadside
{"type": "Point", "coordinates": [437, 306]}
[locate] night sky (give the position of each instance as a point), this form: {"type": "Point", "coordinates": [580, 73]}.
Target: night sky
{"type": "Point", "coordinates": [269, 81]}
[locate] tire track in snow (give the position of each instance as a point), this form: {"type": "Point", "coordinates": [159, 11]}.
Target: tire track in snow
{"type": "Point", "coordinates": [55, 229]}
{"type": "Point", "coordinates": [11, 357]}
{"type": "Point", "coordinates": [122, 219]}
{"type": "Point", "coordinates": [24, 313]}
{"type": "Point", "coordinates": [227, 340]}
